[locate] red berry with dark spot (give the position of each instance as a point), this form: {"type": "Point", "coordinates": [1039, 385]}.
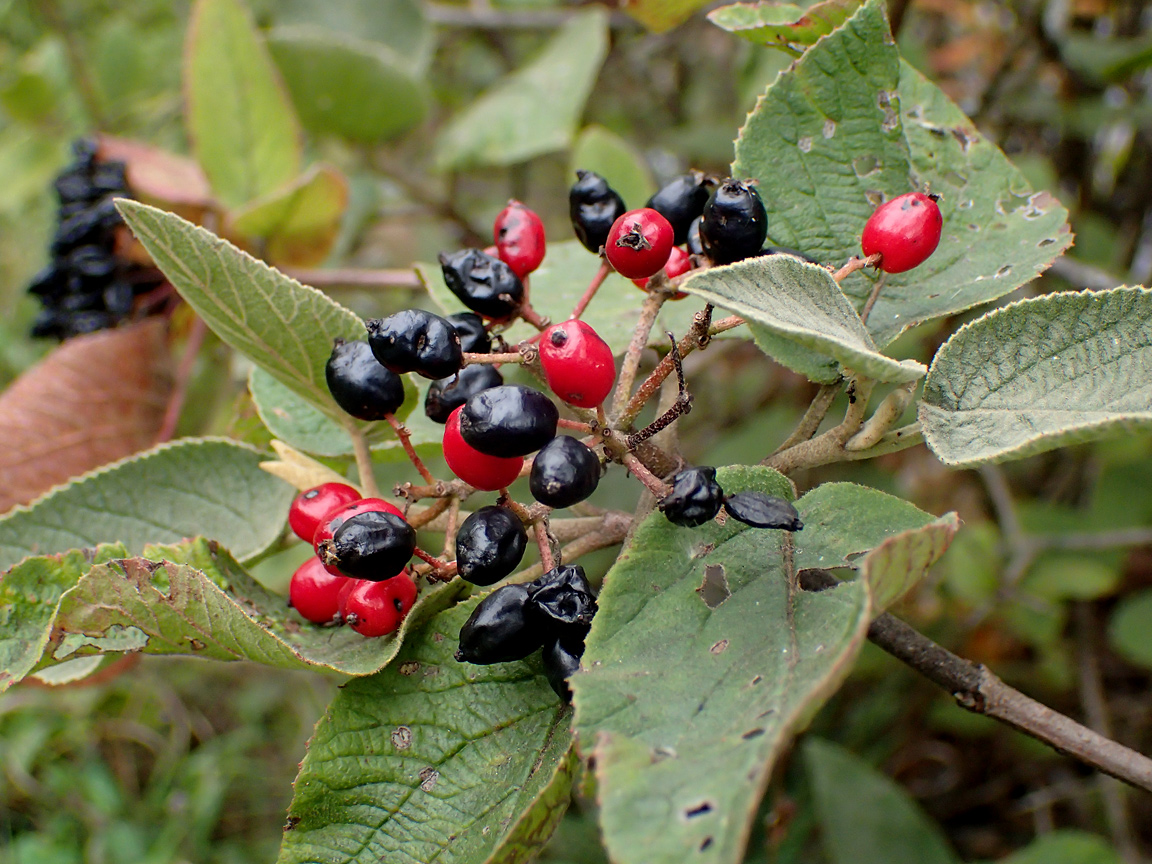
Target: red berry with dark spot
{"type": "Point", "coordinates": [639, 243]}
{"type": "Point", "coordinates": [519, 236]}
{"type": "Point", "coordinates": [378, 608]}
{"type": "Point", "coordinates": [332, 521]}
{"type": "Point", "coordinates": [578, 364]}
{"type": "Point", "coordinates": [487, 473]}
{"type": "Point", "coordinates": [314, 592]}
{"type": "Point", "coordinates": [312, 505]}
{"type": "Point", "coordinates": [903, 231]}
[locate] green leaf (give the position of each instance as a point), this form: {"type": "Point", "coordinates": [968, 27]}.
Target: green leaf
{"type": "Point", "coordinates": [682, 759]}
{"type": "Point", "coordinates": [297, 423]}
{"type": "Point", "coordinates": [899, 563]}
{"type": "Point", "coordinates": [1039, 374]}
{"type": "Point", "coordinates": [661, 15]}
{"type": "Point", "coordinates": [297, 222]}
{"type": "Point", "coordinates": [399, 24]}
{"type": "Point", "coordinates": [865, 817]}
{"type": "Point", "coordinates": [1065, 846]}
{"type": "Point", "coordinates": [243, 130]}
{"type": "Point", "coordinates": [1063, 576]}
{"type": "Point", "coordinates": [1129, 627]}
{"type": "Point", "coordinates": [775, 24]}
{"type": "Point", "coordinates": [561, 280]}
{"type": "Point", "coordinates": [534, 110]}
{"type": "Point", "coordinates": [210, 487]}
{"type": "Point", "coordinates": [433, 760]}
{"type": "Point", "coordinates": [616, 160]}
{"type": "Point", "coordinates": [348, 86]}
{"type": "Point", "coordinates": [800, 302]}
{"type": "Point", "coordinates": [284, 327]}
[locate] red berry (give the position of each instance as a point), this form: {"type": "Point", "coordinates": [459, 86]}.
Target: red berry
{"type": "Point", "coordinates": [679, 262]}
{"type": "Point", "coordinates": [314, 504]}
{"type": "Point", "coordinates": [487, 473]}
{"type": "Point", "coordinates": [519, 236]}
{"type": "Point", "coordinates": [639, 243]}
{"type": "Point", "coordinates": [904, 231]}
{"type": "Point", "coordinates": [313, 591]}
{"type": "Point", "coordinates": [578, 364]}
{"type": "Point", "coordinates": [335, 518]}
{"type": "Point", "coordinates": [377, 608]}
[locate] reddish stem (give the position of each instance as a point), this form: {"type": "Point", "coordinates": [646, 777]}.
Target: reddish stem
{"type": "Point", "coordinates": [590, 291]}
{"type": "Point", "coordinates": [406, 442]}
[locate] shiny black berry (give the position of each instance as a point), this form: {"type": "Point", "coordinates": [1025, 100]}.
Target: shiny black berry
{"type": "Point", "coordinates": [563, 600]}
{"type": "Point", "coordinates": [693, 243]}
{"type": "Point", "coordinates": [415, 340]}
{"type": "Point", "coordinates": [564, 472]}
{"type": "Point", "coordinates": [695, 497]}
{"type": "Point", "coordinates": [448, 394]}
{"type": "Point", "coordinates": [681, 201]}
{"type": "Point", "coordinates": [593, 206]}
{"type": "Point", "coordinates": [483, 283]}
{"type": "Point", "coordinates": [508, 421]}
{"type": "Point", "coordinates": [561, 659]}
{"type": "Point", "coordinates": [499, 629]}
{"type": "Point", "coordinates": [373, 545]}
{"type": "Point", "coordinates": [734, 223]}
{"type": "Point", "coordinates": [763, 511]}
{"type": "Point", "coordinates": [469, 326]}
{"type": "Point", "coordinates": [359, 384]}
{"type": "Point", "coordinates": [489, 545]}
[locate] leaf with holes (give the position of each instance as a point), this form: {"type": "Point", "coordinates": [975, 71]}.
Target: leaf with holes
{"type": "Point", "coordinates": [682, 759]}
{"type": "Point", "coordinates": [433, 760]}
{"type": "Point", "coordinates": [243, 130]}
{"type": "Point", "coordinates": [283, 326]}
{"type": "Point", "coordinates": [782, 24]}
{"type": "Point", "coordinates": [792, 300]}
{"type": "Point", "coordinates": [210, 487]}
{"type": "Point", "coordinates": [1042, 373]}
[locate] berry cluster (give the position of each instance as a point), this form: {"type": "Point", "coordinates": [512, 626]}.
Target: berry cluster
{"type": "Point", "coordinates": [697, 498]}
{"type": "Point", "coordinates": [87, 287]}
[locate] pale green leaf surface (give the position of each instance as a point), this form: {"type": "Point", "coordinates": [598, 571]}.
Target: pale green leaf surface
{"type": "Point", "coordinates": [1062, 575]}
{"type": "Point", "coordinates": [682, 759]}
{"type": "Point", "coordinates": [899, 563]}
{"type": "Point", "coordinates": [208, 487]}
{"type": "Point", "coordinates": [783, 23]}
{"type": "Point", "coordinates": [398, 24]}
{"type": "Point", "coordinates": [310, 204]}
{"type": "Point", "coordinates": [800, 302]}
{"type": "Point", "coordinates": [1065, 846]}
{"type": "Point", "coordinates": [865, 817]}
{"type": "Point", "coordinates": [535, 109]}
{"type": "Point", "coordinates": [1129, 627]}
{"type": "Point", "coordinates": [243, 129]}
{"type": "Point", "coordinates": [283, 326]}
{"type": "Point", "coordinates": [431, 760]}
{"type": "Point", "coordinates": [616, 160]}
{"type": "Point", "coordinates": [1040, 374]}
{"type": "Point", "coordinates": [661, 15]}
{"type": "Point", "coordinates": [349, 86]}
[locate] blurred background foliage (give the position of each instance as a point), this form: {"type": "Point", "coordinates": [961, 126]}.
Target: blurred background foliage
{"type": "Point", "coordinates": [434, 114]}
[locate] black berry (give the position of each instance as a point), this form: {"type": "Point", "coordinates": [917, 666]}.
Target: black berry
{"type": "Point", "coordinates": [484, 284]}
{"type": "Point", "coordinates": [695, 497]}
{"type": "Point", "coordinates": [694, 244]}
{"type": "Point", "coordinates": [763, 511]}
{"type": "Point", "coordinates": [593, 206]}
{"type": "Point", "coordinates": [564, 472]}
{"type": "Point", "coordinates": [416, 340]}
{"type": "Point", "coordinates": [508, 421]}
{"type": "Point", "coordinates": [734, 224]}
{"type": "Point", "coordinates": [448, 394]}
{"type": "Point", "coordinates": [469, 326]}
{"type": "Point", "coordinates": [489, 545]}
{"type": "Point", "coordinates": [360, 385]}
{"type": "Point", "coordinates": [561, 659]}
{"type": "Point", "coordinates": [563, 600]}
{"type": "Point", "coordinates": [499, 629]}
{"type": "Point", "coordinates": [681, 201]}
{"type": "Point", "coordinates": [374, 545]}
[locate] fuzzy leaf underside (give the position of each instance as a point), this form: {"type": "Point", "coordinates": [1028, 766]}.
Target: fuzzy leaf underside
{"type": "Point", "coordinates": [1042, 373]}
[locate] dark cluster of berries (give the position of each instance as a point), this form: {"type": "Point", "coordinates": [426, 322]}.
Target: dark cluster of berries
{"type": "Point", "coordinates": [697, 498]}
{"type": "Point", "coordinates": [87, 287]}
{"type": "Point", "coordinates": [553, 613]}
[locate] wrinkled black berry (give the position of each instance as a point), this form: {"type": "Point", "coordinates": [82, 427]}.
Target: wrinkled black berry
{"type": "Point", "coordinates": [118, 298]}
{"type": "Point", "coordinates": [695, 497]}
{"type": "Point", "coordinates": [508, 421]}
{"type": "Point", "coordinates": [564, 472]}
{"type": "Point", "coordinates": [448, 394]}
{"type": "Point", "coordinates": [561, 659]}
{"type": "Point", "coordinates": [681, 201]}
{"type": "Point", "coordinates": [374, 545]}
{"type": "Point", "coordinates": [416, 340]}
{"type": "Point", "coordinates": [360, 385]}
{"type": "Point", "coordinates": [469, 326]}
{"type": "Point", "coordinates": [763, 511]}
{"type": "Point", "coordinates": [489, 545]}
{"type": "Point", "coordinates": [593, 206]}
{"type": "Point", "coordinates": [499, 629]}
{"type": "Point", "coordinates": [563, 600]}
{"type": "Point", "coordinates": [484, 284]}
{"type": "Point", "coordinates": [734, 224]}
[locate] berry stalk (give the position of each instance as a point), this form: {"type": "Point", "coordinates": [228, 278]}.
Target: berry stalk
{"type": "Point", "coordinates": [363, 459]}
{"type": "Point", "coordinates": [406, 442]}
{"type": "Point", "coordinates": [631, 364]}
{"type": "Point", "coordinates": [590, 291]}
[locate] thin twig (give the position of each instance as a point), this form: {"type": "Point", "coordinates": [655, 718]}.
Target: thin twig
{"type": "Point", "coordinates": [872, 298]}
{"type": "Point", "coordinates": [544, 544]}
{"type": "Point", "coordinates": [829, 447]}
{"type": "Point", "coordinates": [590, 291]}
{"type": "Point", "coordinates": [406, 442]}
{"type": "Point", "coordinates": [813, 417]}
{"type": "Point", "coordinates": [651, 482]}
{"type": "Point", "coordinates": [363, 459]}
{"type": "Point", "coordinates": [612, 531]}
{"type": "Point", "coordinates": [631, 364]}
{"type": "Point", "coordinates": [471, 359]}
{"type": "Point", "coordinates": [853, 265]}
